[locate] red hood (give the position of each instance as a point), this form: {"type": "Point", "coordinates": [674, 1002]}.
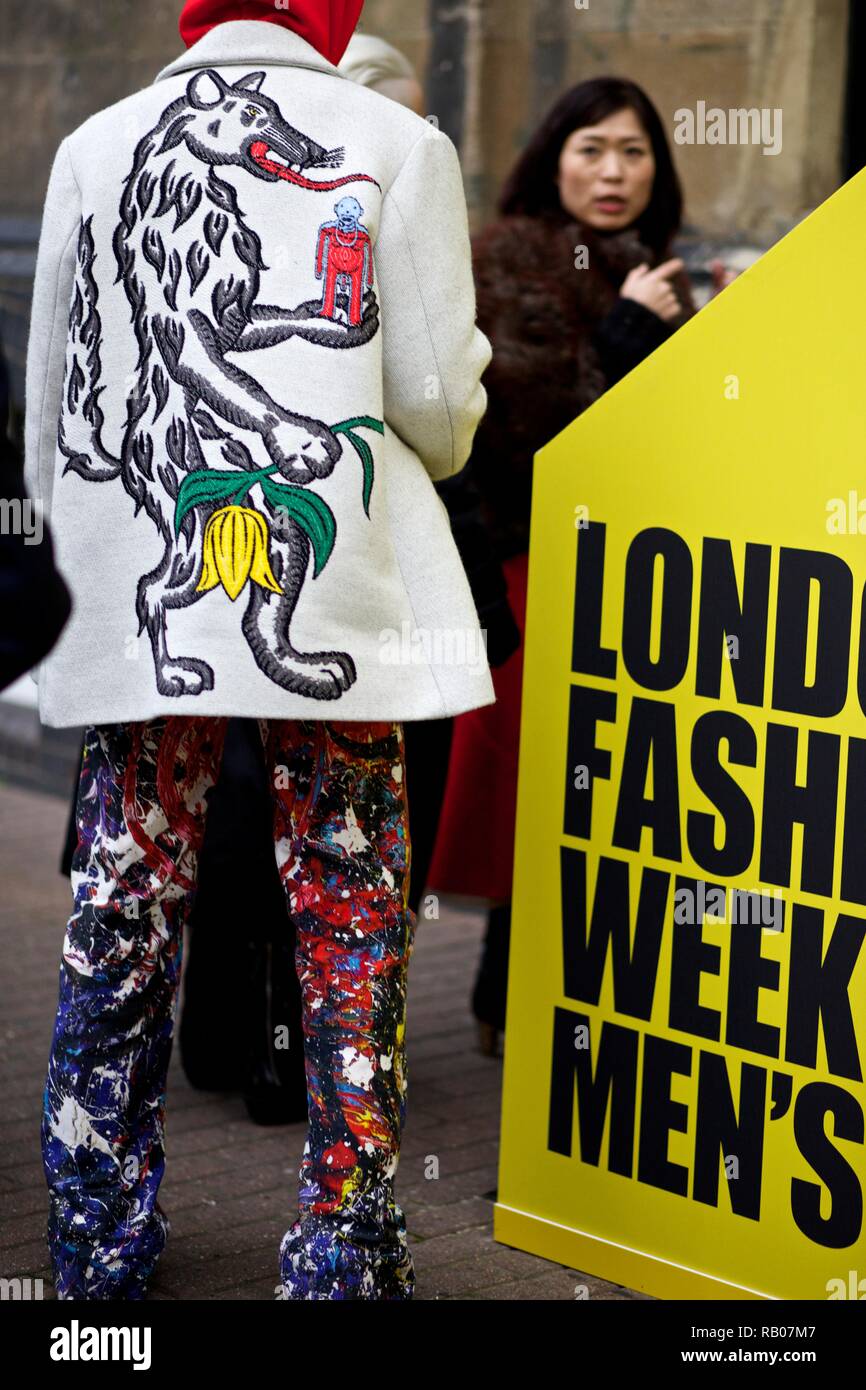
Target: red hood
{"type": "Point", "coordinates": [326, 24]}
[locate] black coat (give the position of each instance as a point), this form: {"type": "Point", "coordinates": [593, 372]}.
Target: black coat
{"type": "Point", "coordinates": [35, 602]}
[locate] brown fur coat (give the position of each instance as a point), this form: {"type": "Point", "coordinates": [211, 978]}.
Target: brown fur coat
{"type": "Point", "coordinates": [561, 336]}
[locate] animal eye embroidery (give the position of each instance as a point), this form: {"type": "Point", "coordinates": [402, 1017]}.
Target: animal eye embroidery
{"type": "Point", "coordinates": [252, 112]}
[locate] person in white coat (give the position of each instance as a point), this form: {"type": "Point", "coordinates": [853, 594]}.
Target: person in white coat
{"type": "Point", "coordinates": [253, 350]}
{"type": "Point", "coordinates": [374, 63]}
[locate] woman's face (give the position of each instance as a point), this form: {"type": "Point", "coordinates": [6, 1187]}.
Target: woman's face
{"type": "Point", "coordinates": [606, 172]}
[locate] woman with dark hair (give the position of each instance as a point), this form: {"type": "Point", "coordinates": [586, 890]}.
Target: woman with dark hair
{"type": "Point", "coordinates": [533, 188]}
{"type": "Point", "coordinates": [575, 287]}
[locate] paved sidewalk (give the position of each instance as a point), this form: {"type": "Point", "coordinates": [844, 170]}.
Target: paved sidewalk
{"type": "Point", "coordinates": [230, 1185]}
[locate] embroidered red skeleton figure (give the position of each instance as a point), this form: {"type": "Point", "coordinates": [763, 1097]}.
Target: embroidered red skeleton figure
{"type": "Point", "coordinates": [344, 257]}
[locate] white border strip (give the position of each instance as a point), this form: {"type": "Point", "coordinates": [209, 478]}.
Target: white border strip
{"type": "Point", "coordinates": [589, 1235]}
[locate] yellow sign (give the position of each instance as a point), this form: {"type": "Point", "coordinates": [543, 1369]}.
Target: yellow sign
{"type": "Point", "coordinates": [683, 1106]}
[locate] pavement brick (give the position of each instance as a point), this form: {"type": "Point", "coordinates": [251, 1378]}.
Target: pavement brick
{"type": "Point", "coordinates": [424, 1222]}
{"type": "Point", "coordinates": [475, 1243]}
{"type": "Point", "coordinates": [546, 1288]}
{"type": "Point", "coordinates": [257, 1290]}
{"type": "Point", "coordinates": [30, 1260]}
{"type": "Point", "coordinates": [21, 1229]}
{"type": "Point", "coordinates": [459, 1278]}
{"type": "Point", "coordinates": [449, 1187]}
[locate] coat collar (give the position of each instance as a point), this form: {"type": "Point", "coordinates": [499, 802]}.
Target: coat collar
{"type": "Point", "coordinates": [245, 42]}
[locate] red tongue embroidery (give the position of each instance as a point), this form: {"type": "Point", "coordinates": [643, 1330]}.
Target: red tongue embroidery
{"type": "Point", "coordinates": [259, 151]}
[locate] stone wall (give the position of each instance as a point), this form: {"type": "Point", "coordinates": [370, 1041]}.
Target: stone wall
{"type": "Point", "coordinates": [492, 67]}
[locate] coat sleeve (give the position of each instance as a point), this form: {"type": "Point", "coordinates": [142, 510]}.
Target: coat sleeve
{"type": "Point", "coordinates": [626, 336]}
{"type": "Point", "coordinates": [630, 332]}
{"type": "Point", "coordinates": [485, 574]}
{"type": "Point", "coordinates": [434, 354]}
{"type": "Point", "coordinates": [49, 321]}
{"type": "Point", "coordinates": [35, 602]}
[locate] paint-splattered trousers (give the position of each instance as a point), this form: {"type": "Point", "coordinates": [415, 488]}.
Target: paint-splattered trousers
{"type": "Point", "coordinates": [342, 847]}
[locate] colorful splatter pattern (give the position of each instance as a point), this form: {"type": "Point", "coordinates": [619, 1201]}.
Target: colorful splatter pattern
{"type": "Point", "coordinates": [342, 846]}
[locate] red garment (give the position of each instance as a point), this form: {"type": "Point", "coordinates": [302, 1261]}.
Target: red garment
{"type": "Point", "coordinates": [351, 259]}
{"type": "Point", "coordinates": [474, 851]}
{"type": "Point", "coordinates": [326, 24]}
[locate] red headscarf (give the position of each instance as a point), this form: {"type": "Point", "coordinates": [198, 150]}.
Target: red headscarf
{"type": "Point", "coordinates": [326, 24]}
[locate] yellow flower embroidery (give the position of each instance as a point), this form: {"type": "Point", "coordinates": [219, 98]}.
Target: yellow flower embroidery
{"type": "Point", "coordinates": [235, 550]}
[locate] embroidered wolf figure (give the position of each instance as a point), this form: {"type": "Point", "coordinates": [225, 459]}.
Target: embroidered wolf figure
{"type": "Point", "coordinates": [190, 266]}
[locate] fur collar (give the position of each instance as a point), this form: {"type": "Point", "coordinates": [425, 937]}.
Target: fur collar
{"type": "Point", "coordinates": [533, 260]}
{"type": "Point", "coordinates": [548, 242]}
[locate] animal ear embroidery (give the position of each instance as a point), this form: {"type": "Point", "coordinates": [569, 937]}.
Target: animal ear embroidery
{"type": "Point", "coordinates": [202, 434]}
{"type": "Point", "coordinates": [200, 88]}
{"type": "Point", "coordinates": [252, 82]}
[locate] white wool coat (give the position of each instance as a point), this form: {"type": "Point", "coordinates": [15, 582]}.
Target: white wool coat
{"type": "Point", "coordinates": [253, 350]}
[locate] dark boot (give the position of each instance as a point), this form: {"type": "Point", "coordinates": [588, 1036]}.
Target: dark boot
{"type": "Point", "coordinates": [275, 1083]}
{"type": "Point", "coordinates": [490, 992]}
{"type": "Point", "coordinates": [211, 1029]}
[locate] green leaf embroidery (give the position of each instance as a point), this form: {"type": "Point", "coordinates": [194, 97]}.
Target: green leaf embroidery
{"type": "Point", "coordinates": [362, 448]}
{"type": "Point", "coordinates": [314, 517]}
{"type": "Point", "coordinates": [307, 509]}
{"type": "Point", "coordinates": [208, 485]}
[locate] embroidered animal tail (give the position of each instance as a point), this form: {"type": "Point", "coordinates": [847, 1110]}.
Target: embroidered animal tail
{"type": "Point", "coordinates": [81, 419]}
